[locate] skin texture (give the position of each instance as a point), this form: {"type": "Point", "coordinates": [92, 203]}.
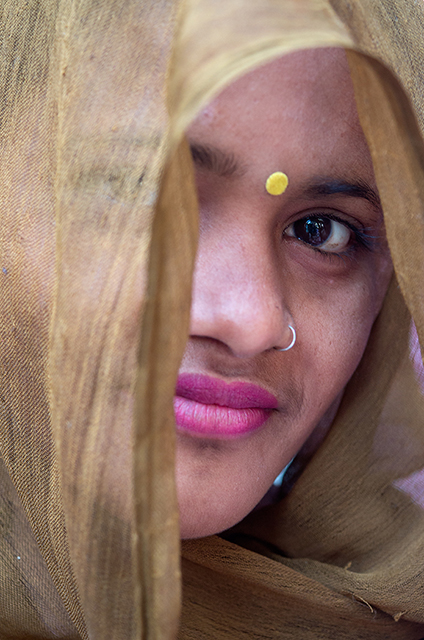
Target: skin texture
{"type": "Point", "coordinates": [254, 276]}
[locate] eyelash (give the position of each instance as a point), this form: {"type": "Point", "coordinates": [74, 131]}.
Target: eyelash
{"type": "Point", "coordinates": [362, 239]}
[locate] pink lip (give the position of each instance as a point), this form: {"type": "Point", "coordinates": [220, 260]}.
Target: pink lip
{"type": "Point", "coordinates": [210, 407]}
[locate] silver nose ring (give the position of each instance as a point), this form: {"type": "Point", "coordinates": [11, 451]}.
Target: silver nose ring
{"type": "Point", "coordinates": [292, 343]}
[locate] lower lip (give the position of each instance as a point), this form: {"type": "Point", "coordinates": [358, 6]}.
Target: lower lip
{"type": "Point", "coordinates": [214, 421]}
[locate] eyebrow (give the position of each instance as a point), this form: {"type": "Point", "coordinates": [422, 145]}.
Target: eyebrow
{"type": "Point", "coordinates": [219, 162]}
{"type": "Point", "coordinates": [226, 164]}
{"type": "Point", "coordinates": [351, 188]}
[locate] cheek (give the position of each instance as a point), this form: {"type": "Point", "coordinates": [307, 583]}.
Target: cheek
{"type": "Point", "coordinates": [334, 319]}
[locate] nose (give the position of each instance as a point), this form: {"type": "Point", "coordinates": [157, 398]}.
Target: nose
{"type": "Point", "coordinates": [239, 297]}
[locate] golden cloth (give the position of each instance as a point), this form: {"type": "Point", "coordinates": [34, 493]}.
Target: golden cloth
{"type": "Point", "coordinates": [98, 229]}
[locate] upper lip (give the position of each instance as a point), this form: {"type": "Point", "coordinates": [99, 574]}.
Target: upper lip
{"type": "Point", "coordinates": [236, 395]}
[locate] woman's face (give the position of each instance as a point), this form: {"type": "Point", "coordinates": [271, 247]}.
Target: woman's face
{"type": "Point", "coordinates": [314, 257]}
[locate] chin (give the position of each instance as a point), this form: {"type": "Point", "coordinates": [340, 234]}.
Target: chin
{"type": "Point", "coordinates": [196, 521]}
{"type": "Point", "coordinates": [191, 531]}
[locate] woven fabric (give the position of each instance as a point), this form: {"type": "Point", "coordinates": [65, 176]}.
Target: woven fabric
{"type": "Point", "coordinates": [97, 246]}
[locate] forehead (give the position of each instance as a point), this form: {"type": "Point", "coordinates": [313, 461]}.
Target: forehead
{"type": "Point", "coordinates": [297, 107]}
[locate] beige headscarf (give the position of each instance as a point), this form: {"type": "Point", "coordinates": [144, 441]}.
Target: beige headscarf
{"type": "Point", "coordinates": [97, 244]}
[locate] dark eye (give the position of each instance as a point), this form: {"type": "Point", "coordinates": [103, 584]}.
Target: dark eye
{"type": "Point", "coordinates": [321, 232]}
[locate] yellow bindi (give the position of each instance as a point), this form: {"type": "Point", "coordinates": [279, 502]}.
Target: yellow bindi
{"type": "Point", "coordinates": [277, 183]}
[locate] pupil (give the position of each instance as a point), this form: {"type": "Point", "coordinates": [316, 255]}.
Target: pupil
{"type": "Point", "coordinates": [314, 231]}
